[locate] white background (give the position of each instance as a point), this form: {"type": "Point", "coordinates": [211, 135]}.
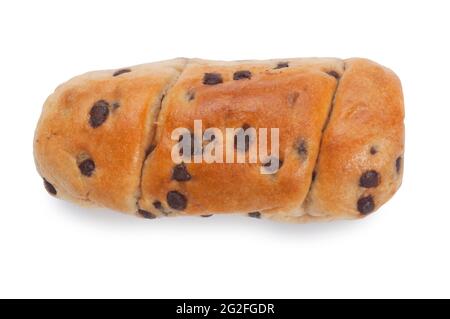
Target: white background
{"type": "Point", "coordinates": [51, 248]}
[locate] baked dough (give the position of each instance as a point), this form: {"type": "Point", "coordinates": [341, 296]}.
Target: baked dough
{"type": "Point", "coordinates": [104, 138]}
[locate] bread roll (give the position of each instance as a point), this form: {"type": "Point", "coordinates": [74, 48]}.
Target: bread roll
{"type": "Point", "coordinates": [106, 138]}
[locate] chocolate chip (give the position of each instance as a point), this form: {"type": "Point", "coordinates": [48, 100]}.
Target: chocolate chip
{"type": "Point", "coordinates": [366, 205]}
{"type": "Point", "coordinates": [302, 148]}
{"type": "Point", "coordinates": [121, 71]}
{"type": "Point", "coordinates": [314, 174]}
{"type": "Point", "coordinates": [244, 74]}
{"type": "Point", "coordinates": [269, 167]}
{"type": "Point", "coordinates": [146, 214]}
{"type": "Point", "coordinates": [190, 95]}
{"type": "Point", "coordinates": [206, 215]}
{"type": "Point", "coordinates": [369, 179]}
{"type": "Point", "coordinates": [281, 65]}
{"type": "Point", "coordinates": [373, 150]}
{"type": "Point", "coordinates": [254, 214]}
{"type": "Point", "coordinates": [149, 149]}
{"type": "Point", "coordinates": [334, 74]}
{"type": "Point", "coordinates": [98, 113]}
{"type": "Point", "coordinates": [293, 97]}
{"type": "Point", "coordinates": [180, 173]}
{"type": "Point", "coordinates": [87, 167]}
{"type": "Point", "coordinates": [176, 200]}
{"type": "Point", "coordinates": [157, 204]}
{"type": "Point", "coordinates": [49, 187]}
{"type": "Point", "coordinates": [212, 78]}
{"type": "Point", "coordinates": [398, 164]}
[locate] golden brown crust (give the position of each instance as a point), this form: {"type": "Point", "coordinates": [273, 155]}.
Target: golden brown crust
{"type": "Point", "coordinates": [64, 135]}
{"type": "Point", "coordinates": [365, 133]}
{"type": "Point", "coordinates": [261, 102]}
{"type": "Point", "coordinates": [294, 95]}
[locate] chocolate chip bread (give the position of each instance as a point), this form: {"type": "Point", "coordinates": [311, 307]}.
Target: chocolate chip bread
{"type": "Point", "coordinates": [106, 138]}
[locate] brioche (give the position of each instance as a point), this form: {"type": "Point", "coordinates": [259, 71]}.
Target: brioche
{"type": "Point", "coordinates": [106, 138]}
